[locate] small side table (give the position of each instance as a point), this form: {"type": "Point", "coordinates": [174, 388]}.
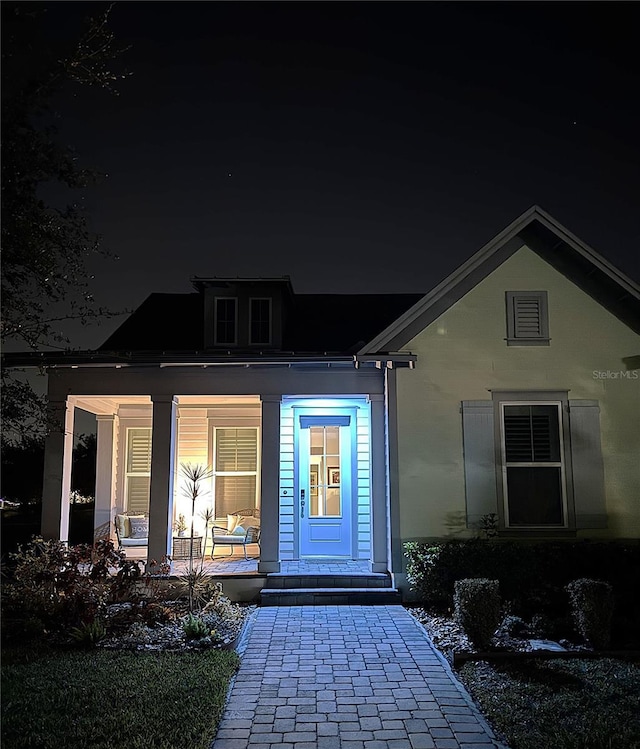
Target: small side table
{"type": "Point", "coordinates": [181, 547]}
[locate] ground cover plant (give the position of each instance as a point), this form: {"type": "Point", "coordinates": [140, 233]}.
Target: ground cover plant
{"type": "Point", "coordinates": [564, 704]}
{"type": "Point", "coordinates": [53, 698]}
{"type": "Point", "coordinates": [99, 653]}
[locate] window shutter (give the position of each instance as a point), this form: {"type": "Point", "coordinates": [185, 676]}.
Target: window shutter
{"type": "Point", "coordinates": [479, 459]}
{"type": "Point", "coordinates": [588, 469]}
{"type": "Point", "coordinates": [138, 488]}
{"type": "Point", "coordinates": [527, 317]}
{"type": "Point", "coordinates": [139, 457]}
{"type": "Point", "coordinates": [531, 434]}
{"type": "Point", "coordinates": [138, 479]}
{"type": "Point", "coordinates": [236, 449]}
{"type": "Point", "coordinates": [234, 493]}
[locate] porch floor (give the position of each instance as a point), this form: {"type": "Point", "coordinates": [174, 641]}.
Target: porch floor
{"type": "Point", "coordinates": [237, 565]}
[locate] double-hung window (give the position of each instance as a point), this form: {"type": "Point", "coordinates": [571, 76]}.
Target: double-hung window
{"type": "Point", "coordinates": [226, 321]}
{"type": "Point", "coordinates": [235, 451]}
{"type": "Point", "coordinates": [533, 467]}
{"type": "Point", "coordinates": [260, 321]}
{"type": "Point", "coordinates": [138, 470]}
{"type": "Point", "coordinates": [534, 458]}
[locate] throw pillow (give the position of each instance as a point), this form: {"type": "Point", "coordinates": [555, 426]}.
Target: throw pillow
{"type": "Point", "coordinates": [239, 531]}
{"type": "Point", "coordinates": [243, 522]}
{"type": "Point", "coordinates": [139, 527]}
{"type": "Point", "coordinates": [232, 522]}
{"type": "Point", "coordinates": [122, 523]}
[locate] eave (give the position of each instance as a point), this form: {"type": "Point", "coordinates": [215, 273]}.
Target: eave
{"type": "Point", "coordinates": [165, 359]}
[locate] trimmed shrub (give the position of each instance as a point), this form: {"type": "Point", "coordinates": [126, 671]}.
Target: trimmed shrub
{"type": "Point", "coordinates": [532, 574]}
{"type": "Point", "coordinates": [477, 609]}
{"type": "Point", "coordinates": [592, 609]}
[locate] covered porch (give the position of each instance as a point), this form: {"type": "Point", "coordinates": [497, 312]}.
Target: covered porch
{"type": "Point", "coordinates": [250, 443]}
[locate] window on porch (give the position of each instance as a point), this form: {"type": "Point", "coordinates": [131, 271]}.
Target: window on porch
{"type": "Point", "coordinates": [235, 468]}
{"type": "Point", "coordinates": [138, 470]}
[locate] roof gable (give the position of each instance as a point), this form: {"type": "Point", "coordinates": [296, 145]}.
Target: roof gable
{"type": "Point", "coordinates": [549, 239]}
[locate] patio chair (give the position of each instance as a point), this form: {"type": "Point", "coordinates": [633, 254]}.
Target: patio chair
{"type": "Point", "coordinates": [124, 534]}
{"type": "Point", "coordinates": [246, 532]}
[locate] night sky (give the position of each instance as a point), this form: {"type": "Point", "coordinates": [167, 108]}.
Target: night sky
{"type": "Point", "coordinates": [357, 147]}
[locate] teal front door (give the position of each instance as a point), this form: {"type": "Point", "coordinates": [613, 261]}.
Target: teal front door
{"type": "Point", "coordinates": [324, 484]}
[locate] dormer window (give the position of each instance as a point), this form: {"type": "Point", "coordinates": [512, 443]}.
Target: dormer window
{"type": "Point", "coordinates": [226, 321]}
{"type": "Point", "coordinates": [260, 321]}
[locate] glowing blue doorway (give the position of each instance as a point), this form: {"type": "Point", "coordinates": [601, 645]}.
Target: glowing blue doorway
{"type": "Point", "coordinates": [324, 484]}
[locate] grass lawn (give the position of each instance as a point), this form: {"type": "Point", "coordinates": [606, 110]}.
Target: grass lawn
{"type": "Point", "coordinates": [105, 699]}
{"type": "Point", "coordinates": [564, 704]}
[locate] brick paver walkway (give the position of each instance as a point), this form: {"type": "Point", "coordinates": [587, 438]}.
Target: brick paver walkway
{"type": "Point", "coordinates": [346, 677]}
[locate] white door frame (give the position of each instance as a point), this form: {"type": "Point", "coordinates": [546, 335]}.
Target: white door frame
{"type": "Point", "coordinates": [348, 482]}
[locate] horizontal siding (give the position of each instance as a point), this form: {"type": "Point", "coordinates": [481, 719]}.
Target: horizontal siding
{"type": "Point", "coordinates": [287, 481]}
{"type": "Point", "coordinates": [363, 482]}
{"type": "Point", "coordinates": [193, 439]}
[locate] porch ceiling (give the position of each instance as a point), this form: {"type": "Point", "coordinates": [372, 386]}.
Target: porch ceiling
{"type": "Point", "coordinates": [216, 400]}
{"type": "Point", "coordinates": [104, 404]}
{"type": "Point", "coordinates": [107, 405]}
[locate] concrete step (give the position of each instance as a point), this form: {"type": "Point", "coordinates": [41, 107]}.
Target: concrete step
{"type": "Point", "coordinates": [333, 596]}
{"type": "Point", "coordinates": [282, 580]}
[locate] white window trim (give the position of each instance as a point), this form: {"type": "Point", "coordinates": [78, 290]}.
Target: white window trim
{"type": "Point", "coordinates": [215, 473]}
{"type": "Point", "coordinates": [129, 474]}
{"type": "Point", "coordinates": [215, 321]}
{"type": "Point", "coordinates": [261, 299]}
{"type": "Point", "coordinates": [561, 464]}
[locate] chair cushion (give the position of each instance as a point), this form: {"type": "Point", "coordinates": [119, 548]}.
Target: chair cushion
{"type": "Point", "coordinates": [134, 541]}
{"type": "Point", "coordinates": [139, 528]}
{"type": "Point", "coordinates": [229, 539]}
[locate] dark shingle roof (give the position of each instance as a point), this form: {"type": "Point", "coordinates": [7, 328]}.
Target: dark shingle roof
{"type": "Point", "coordinates": [163, 322]}
{"type": "Point", "coordinates": [336, 323]}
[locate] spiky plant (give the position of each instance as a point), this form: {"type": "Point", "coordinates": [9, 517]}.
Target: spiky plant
{"type": "Point", "coordinates": [196, 477]}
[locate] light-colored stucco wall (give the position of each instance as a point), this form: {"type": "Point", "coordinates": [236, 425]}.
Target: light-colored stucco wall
{"type": "Point", "coordinates": [463, 355]}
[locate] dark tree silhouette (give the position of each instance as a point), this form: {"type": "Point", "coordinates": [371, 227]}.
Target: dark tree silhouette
{"type": "Point", "coordinates": [44, 247]}
{"type": "Point", "coordinates": [83, 474]}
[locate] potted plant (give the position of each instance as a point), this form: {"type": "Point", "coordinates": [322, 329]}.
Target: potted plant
{"type": "Point", "coordinates": [181, 525]}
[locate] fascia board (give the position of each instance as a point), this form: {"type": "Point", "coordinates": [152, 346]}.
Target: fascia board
{"type": "Point", "coordinates": [450, 282]}
{"type": "Point", "coordinates": [601, 263]}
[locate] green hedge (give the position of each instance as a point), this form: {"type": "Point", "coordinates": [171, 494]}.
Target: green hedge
{"type": "Point", "coordinates": [532, 574]}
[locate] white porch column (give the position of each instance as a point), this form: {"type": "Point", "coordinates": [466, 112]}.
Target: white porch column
{"type": "Point", "coordinates": [105, 494]}
{"type": "Point", "coordinates": [396, 557]}
{"type": "Point", "coordinates": [270, 484]}
{"type": "Point", "coordinates": [163, 445]}
{"type": "Point", "coordinates": [58, 454]}
{"type": "Point", "coordinates": [379, 519]}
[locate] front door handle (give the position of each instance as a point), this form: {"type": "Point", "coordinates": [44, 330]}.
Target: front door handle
{"type": "Point", "coordinates": [301, 503]}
